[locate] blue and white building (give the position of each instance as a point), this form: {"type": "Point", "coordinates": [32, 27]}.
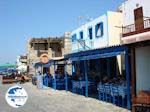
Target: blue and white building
{"type": "Point", "coordinates": [101, 32]}
{"type": "Point", "coordinates": [97, 55]}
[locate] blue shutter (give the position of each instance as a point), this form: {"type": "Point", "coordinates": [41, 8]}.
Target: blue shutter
{"type": "Point", "coordinates": [90, 33]}
{"type": "Point", "coordinates": [81, 35]}
{"type": "Point", "coordinates": [74, 37]}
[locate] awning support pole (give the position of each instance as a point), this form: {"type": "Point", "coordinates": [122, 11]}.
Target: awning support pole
{"type": "Point", "coordinates": [73, 68]}
{"type": "Point", "coordinates": [128, 79]}
{"type": "Point", "coordinates": [66, 77]}
{"type": "Point", "coordinates": [86, 78]}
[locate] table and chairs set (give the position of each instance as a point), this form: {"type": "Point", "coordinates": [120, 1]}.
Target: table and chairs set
{"type": "Point", "coordinates": [115, 93]}
{"type": "Point", "coordinates": [56, 82]}
{"type": "Point", "coordinates": [80, 85]}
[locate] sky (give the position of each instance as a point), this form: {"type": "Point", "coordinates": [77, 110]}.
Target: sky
{"type": "Point", "coordinates": [23, 19]}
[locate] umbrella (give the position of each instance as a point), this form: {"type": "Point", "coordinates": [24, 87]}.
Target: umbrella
{"type": "Point", "coordinates": [7, 65]}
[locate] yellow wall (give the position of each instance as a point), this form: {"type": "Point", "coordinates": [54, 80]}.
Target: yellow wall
{"type": "Point", "coordinates": [115, 22]}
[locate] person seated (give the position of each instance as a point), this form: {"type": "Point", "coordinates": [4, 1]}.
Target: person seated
{"type": "Point", "coordinates": [74, 77]}
{"type": "Point", "coordinates": [105, 79]}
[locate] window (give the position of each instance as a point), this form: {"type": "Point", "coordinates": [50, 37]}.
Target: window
{"type": "Point", "coordinates": [90, 33]}
{"type": "Point", "coordinates": [81, 35]}
{"type": "Point", "coordinates": [99, 30]}
{"type": "Point", "coordinates": [41, 46]}
{"type": "Point", "coordinates": [74, 37]}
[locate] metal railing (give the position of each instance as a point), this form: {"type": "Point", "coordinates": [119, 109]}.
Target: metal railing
{"type": "Point", "coordinates": [131, 28]}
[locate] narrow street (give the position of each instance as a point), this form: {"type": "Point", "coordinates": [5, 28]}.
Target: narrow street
{"type": "Point", "coordinates": [49, 100]}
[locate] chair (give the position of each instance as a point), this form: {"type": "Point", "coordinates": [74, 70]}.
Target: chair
{"type": "Point", "coordinates": [101, 91]}
{"type": "Point", "coordinates": [82, 85]}
{"type": "Point", "coordinates": [60, 84]}
{"type": "Point", "coordinates": [75, 86]}
{"type": "Point", "coordinates": [115, 94]}
{"type": "Point", "coordinates": [123, 93]}
{"type": "Point", "coordinates": [92, 87]}
{"type": "Point", "coordinates": [141, 102]}
{"type": "Point", "coordinates": [107, 92]}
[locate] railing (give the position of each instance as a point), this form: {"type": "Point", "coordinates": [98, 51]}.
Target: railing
{"type": "Point", "coordinates": [147, 23]}
{"type": "Point", "coordinates": [128, 29]}
{"type": "Point", "coordinates": [131, 29]}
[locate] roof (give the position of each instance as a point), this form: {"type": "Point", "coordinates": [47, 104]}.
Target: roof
{"type": "Point", "coordinates": [23, 57]}
{"type": "Point", "coordinates": [46, 40]}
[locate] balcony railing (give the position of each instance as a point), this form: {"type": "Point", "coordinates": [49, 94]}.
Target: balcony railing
{"type": "Point", "coordinates": [131, 29]}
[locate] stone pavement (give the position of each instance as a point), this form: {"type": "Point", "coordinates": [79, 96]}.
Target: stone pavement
{"type": "Point", "coordinates": [49, 100]}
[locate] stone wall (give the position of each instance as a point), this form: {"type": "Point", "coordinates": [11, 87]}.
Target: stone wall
{"type": "Point", "coordinates": [33, 58]}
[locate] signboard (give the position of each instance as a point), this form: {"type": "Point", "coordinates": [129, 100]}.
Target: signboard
{"type": "Point", "coordinates": [44, 58]}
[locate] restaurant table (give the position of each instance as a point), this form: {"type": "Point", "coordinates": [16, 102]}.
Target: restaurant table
{"type": "Point", "coordinates": [142, 101]}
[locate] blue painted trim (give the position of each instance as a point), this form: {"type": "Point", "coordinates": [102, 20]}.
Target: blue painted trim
{"type": "Point", "coordinates": [88, 39]}
{"type": "Point", "coordinates": [81, 35]}
{"type": "Point", "coordinates": [97, 51]}
{"type": "Point", "coordinates": [97, 56]}
{"type": "Point", "coordinates": [86, 78]}
{"type": "Point", "coordinates": [73, 67]}
{"type": "Point", "coordinates": [66, 78]}
{"type": "Point", "coordinates": [128, 80]}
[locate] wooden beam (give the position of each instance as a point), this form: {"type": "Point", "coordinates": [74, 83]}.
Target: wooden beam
{"type": "Point", "coordinates": [133, 72]}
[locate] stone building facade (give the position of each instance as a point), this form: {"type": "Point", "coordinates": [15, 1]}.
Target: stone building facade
{"type": "Point", "coordinates": [54, 47]}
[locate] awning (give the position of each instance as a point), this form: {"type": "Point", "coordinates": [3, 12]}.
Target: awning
{"type": "Point", "coordinates": [7, 65]}
{"type": "Point", "coordinates": [96, 56]}
{"type": "Point", "coordinates": [51, 62]}
{"type": "Point", "coordinates": [97, 53]}
{"type": "Point", "coordinates": [39, 64]}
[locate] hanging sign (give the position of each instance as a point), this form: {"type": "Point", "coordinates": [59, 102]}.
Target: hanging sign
{"type": "Point", "coordinates": [44, 58]}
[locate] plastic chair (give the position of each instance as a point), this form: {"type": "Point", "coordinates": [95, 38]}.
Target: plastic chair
{"type": "Point", "coordinates": [115, 94]}
{"type": "Point", "coordinates": [75, 86]}
{"type": "Point", "coordinates": [101, 91]}
{"type": "Point", "coordinates": [107, 92]}
{"type": "Point", "coordinates": [123, 93]}
{"type": "Point", "coordinates": [60, 84]}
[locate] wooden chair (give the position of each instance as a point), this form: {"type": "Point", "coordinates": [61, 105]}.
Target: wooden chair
{"type": "Point", "coordinates": [141, 103]}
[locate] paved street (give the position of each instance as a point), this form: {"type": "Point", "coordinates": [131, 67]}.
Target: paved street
{"type": "Point", "coordinates": [49, 100]}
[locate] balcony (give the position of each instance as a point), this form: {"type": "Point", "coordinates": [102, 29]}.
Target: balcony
{"type": "Point", "coordinates": [136, 29]}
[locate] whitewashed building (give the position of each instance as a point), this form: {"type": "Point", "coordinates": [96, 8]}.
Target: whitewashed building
{"type": "Point", "coordinates": [101, 32]}
{"type": "Point", "coordinates": [136, 34]}
{"type": "Point", "coordinates": [136, 23]}
{"type": "Point", "coordinates": [104, 31]}
{"type": "Point", "coordinates": [22, 64]}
